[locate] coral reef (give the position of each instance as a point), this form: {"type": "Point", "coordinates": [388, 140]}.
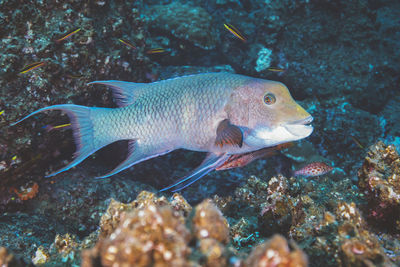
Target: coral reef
{"type": "Point", "coordinates": [5, 258]}
{"type": "Point", "coordinates": [151, 231]}
{"type": "Point", "coordinates": [271, 200]}
{"type": "Point", "coordinates": [92, 53]}
{"type": "Point", "coordinates": [41, 256]}
{"type": "Point", "coordinates": [66, 245]}
{"type": "Point", "coordinates": [277, 252]}
{"type": "Point", "coordinates": [379, 178]}
{"type": "Point", "coordinates": [340, 59]}
{"type": "Point", "coordinates": [330, 228]}
{"type": "Point", "coordinates": [27, 191]}
{"type": "Point", "coordinates": [8, 260]}
{"type": "Point", "coordinates": [344, 237]}
{"type": "Point", "coordinates": [207, 212]}
{"type": "Point", "coordinates": [150, 235]}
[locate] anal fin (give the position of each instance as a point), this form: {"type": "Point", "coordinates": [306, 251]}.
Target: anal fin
{"type": "Point", "coordinates": [136, 154]}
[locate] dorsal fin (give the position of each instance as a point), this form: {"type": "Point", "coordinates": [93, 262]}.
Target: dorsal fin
{"type": "Point", "coordinates": [124, 93]}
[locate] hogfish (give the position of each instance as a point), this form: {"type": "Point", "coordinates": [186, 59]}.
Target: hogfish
{"type": "Point", "coordinates": [220, 113]}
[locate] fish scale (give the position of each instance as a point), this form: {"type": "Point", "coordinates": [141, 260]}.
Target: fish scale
{"type": "Point", "coordinates": [220, 113]}
{"type": "Point", "coordinates": [167, 118]}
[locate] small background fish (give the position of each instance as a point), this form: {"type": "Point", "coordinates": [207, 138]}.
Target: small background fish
{"type": "Point", "coordinates": [313, 169]}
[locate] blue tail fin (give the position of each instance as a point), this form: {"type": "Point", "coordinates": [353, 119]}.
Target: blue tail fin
{"type": "Point", "coordinates": [82, 130]}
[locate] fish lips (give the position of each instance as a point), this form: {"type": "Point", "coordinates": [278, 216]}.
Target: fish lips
{"type": "Point", "coordinates": [293, 131]}
{"type": "Point", "coordinates": [300, 128]}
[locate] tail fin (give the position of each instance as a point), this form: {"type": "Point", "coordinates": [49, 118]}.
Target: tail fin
{"type": "Point", "coordinates": [82, 128]}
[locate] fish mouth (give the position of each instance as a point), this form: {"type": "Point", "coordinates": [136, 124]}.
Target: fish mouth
{"type": "Point", "coordinates": [300, 127]}
{"type": "Point", "coordinates": [307, 120]}
{"type": "Point", "coordinates": [271, 136]}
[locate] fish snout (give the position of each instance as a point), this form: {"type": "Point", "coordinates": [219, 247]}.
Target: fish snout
{"type": "Point", "coordinates": [304, 121]}
{"type": "Point", "coordinates": [301, 128]}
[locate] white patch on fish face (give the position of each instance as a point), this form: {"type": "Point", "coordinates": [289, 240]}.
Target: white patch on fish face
{"type": "Point", "coordinates": [266, 137]}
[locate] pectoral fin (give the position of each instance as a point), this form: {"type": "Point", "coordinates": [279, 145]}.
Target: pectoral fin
{"type": "Point", "coordinates": [228, 134]}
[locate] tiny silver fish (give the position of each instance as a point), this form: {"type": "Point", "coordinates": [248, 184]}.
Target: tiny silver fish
{"type": "Point", "coordinates": [220, 113]}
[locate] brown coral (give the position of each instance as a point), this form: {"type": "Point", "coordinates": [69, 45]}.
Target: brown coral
{"type": "Point", "coordinates": [350, 213]}
{"type": "Point", "coordinates": [277, 210]}
{"type": "Point", "coordinates": [352, 244]}
{"type": "Point", "coordinates": [208, 222]}
{"type": "Point", "coordinates": [214, 252]}
{"type": "Point", "coordinates": [180, 204]}
{"type": "Point", "coordinates": [357, 252]}
{"type": "Point", "coordinates": [8, 260]}
{"type": "Point", "coordinates": [41, 256]}
{"type": "Point", "coordinates": [379, 177]}
{"type": "Point", "coordinates": [152, 233]}
{"type": "Point", "coordinates": [357, 246]}
{"type": "Point", "coordinates": [66, 245]}
{"type": "Point", "coordinates": [5, 257]}
{"type": "Point", "coordinates": [112, 216]}
{"type": "Point", "coordinates": [276, 252]}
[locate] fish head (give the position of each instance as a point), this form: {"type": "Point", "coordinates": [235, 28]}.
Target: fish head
{"type": "Point", "coordinates": [268, 113]}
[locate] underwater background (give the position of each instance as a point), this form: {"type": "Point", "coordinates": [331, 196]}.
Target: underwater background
{"type": "Point", "coordinates": [340, 61]}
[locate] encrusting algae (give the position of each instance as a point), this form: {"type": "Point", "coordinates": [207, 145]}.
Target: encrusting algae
{"type": "Point", "coordinates": [27, 191]}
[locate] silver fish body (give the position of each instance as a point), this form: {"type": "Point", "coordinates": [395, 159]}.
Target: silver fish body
{"type": "Point", "coordinates": [176, 113]}
{"type": "Point", "coordinates": [219, 113]}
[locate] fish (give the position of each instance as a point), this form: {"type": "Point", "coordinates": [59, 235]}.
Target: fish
{"type": "Point", "coordinates": [235, 32]}
{"type": "Point", "coordinates": [75, 76]}
{"type": "Point", "coordinates": [49, 127]}
{"type": "Point", "coordinates": [155, 51]}
{"type": "Point", "coordinates": [241, 160]}
{"type": "Point", "coordinates": [127, 43]}
{"type": "Point", "coordinates": [62, 126]}
{"type": "Point", "coordinates": [276, 69]}
{"type": "Point", "coordinates": [220, 113]}
{"type": "Point", "coordinates": [1, 112]}
{"type": "Point", "coordinates": [314, 169]}
{"type": "Point", "coordinates": [358, 143]}
{"type": "Point", "coordinates": [69, 34]}
{"type": "Point", "coordinates": [31, 66]}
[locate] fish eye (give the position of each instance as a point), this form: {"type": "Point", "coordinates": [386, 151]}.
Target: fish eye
{"type": "Point", "coordinates": [269, 99]}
